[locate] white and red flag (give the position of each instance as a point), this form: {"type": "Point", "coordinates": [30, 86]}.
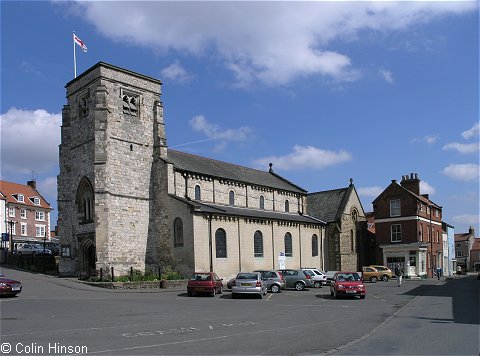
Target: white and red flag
{"type": "Point", "coordinates": [79, 42]}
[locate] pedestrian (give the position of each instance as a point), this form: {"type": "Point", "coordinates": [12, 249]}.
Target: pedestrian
{"type": "Point", "coordinates": [439, 270]}
{"type": "Point", "coordinates": [399, 272]}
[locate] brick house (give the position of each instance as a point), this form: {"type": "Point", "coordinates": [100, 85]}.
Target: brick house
{"type": "Point", "coordinates": [463, 246]}
{"type": "Point", "coordinates": [475, 255]}
{"type": "Point", "coordinates": [27, 213]}
{"type": "Point", "coordinates": [408, 228]}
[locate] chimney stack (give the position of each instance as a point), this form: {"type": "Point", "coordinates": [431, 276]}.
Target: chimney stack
{"type": "Point", "coordinates": [411, 183]}
{"type": "Point", "coordinates": [32, 184]}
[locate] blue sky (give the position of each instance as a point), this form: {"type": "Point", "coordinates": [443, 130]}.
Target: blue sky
{"type": "Point", "coordinates": [326, 91]}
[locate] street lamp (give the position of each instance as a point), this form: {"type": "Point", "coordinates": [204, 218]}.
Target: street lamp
{"type": "Point", "coordinates": [11, 223]}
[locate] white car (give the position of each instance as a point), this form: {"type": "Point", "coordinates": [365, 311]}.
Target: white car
{"type": "Point", "coordinates": [33, 249]}
{"type": "Point", "coordinates": [318, 277]}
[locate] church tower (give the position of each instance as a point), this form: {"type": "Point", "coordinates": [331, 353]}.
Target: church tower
{"type": "Point", "coordinates": [112, 182]}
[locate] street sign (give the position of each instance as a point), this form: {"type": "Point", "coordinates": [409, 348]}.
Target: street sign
{"type": "Point", "coordinates": [5, 236]}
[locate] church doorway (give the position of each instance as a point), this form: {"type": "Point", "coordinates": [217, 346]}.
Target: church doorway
{"type": "Point", "coordinates": [88, 256]}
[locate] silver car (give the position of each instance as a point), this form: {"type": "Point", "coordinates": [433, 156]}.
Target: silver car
{"type": "Point", "coordinates": [249, 283]}
{"type": "Point", "coordinates": [273, 279]}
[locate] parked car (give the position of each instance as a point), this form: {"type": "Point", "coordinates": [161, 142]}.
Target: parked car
{"type": "Point", "coordinates": [249, 283]}
{"type": "Point", "coordinates": [297, 278]}
{"type": "Point", "coordinates": [370, 274]}
{"type": "Point", "coordinates": [347, 284]}
{"type": "Point", "coordinates": [385, 272]}
{"type": "Point", "coordinates": [273, 279]}
{"type": "Point", "coordinates": [319, 278]}
{"type": "Point", "coordinates": [205, 283]}
{"type": "Point", "coordinates": [330, 275]}
{"type": "Point", "coordinates": [33, 249]}
{"type": "Point", "coordinates": [230, 283]}
{"type": "Point", "coordinates": [9, 287]}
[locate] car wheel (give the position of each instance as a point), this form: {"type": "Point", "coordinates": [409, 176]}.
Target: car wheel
{"type": "Point", "coordinates": [234, 296]}
{"type": "Point", "coordinates": [213, 293]}
{"type": "Point", "coordinates": [385, 278]}
{"type": "Point", "coordinates": [362, 297]}
{"type": "Point", "coordinates": [220, 290]}
{"type": "Point", "coordinates": [190, 294]}
{"type": "Point", "coordinates": [260, 296]}
{"type": "Point", "coordinates": [373, 279]}
{"type": "Point", "coordinates": [299, 286]}
{"type": "Point", "coordinates": [317, 284]}
{"type": "Point", "coordinates": [335, 296]}
{"type": "Point", "coordinates": [331, 293]}
{"type": "Point", "coordinates": [275, 288]}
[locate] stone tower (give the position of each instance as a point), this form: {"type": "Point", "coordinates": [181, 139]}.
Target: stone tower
{"type": "Point", "coordinates": [112, 183]}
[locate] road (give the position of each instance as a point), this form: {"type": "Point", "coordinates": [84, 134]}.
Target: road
{"type": "Point", "coordinates": [60, 316]}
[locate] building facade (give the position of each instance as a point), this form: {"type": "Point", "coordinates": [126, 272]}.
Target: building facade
{"type": "Point", "coordinates": [408, 228]}
{"type": "Point", "coordinates": [346, 240]}
{"type": "Point", "coordinates": [463, 245]}
{"type": "Point", "coordinates": [26, 215]}
{"type": "Point", "coordinates": [450, 262]}
{"type": "Point", "coordinates": [127, 201]}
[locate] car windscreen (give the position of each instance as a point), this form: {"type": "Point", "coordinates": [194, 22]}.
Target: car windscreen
{"type": "Point", "coordinates": [200, 277]}
{"type": "Point", "coordinates": [247, 276]}
{"type": "Point", "coordinates": [348, 277]}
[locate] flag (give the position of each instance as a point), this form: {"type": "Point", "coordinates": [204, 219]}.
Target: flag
{"type": "Point", "coordinates": [79, 42]}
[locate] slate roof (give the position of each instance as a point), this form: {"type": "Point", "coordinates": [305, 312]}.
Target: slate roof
{"type": "Point", "coordinates": [202, 207]}
{"type": "Point", "coordinates": [213, 168]}
{"type": "Point", "coordinates": [326, 205]}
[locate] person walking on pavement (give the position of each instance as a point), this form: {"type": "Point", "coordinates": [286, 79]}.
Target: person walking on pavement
{"type": "Point", "coordinates": [399, 272]}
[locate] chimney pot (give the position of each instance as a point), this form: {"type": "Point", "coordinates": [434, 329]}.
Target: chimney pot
{"type": "Point", "coordinates": [411, 175]}
{"type": "Point", "coordinates": [32, 184]}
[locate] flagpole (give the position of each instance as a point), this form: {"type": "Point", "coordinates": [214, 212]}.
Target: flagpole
{"type": "Point", "coordinates": [74, 56]}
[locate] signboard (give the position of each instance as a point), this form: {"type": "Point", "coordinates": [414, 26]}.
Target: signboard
{"type": "Point", "coordinates": [5, 236]}
{"type": "Point", "coordinates": [281, 260]}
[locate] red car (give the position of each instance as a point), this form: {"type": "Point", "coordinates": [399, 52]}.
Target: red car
{"type": "Point", "coordinates": [205, 283]}
{"type": "Point", "coordinates": [347, 284]}
{"type": "Point", "coordinates": [9, 286]}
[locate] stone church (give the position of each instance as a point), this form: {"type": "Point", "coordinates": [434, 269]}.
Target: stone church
{"type": "Point", "coordinates": [126, 200]}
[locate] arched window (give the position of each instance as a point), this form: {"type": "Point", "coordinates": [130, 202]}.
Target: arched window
{"type": "Point", "coordinates": [287, 206]}
{"type": "Point", "coordinates": [262, 202]}
{"type": "Point", "coordinates": [85, 201]}
{"type": "Point", "coordinates": [198, 195]}
{"type": "Point", "coordinates": [178, 232]}
{"type": "Point", "coordinates": [231, 197]}
{"type": "Point", "coordinates": [288, 245]}
{"type": "Point", "coordinates": [314, 245]}
{"type": "Point", "coordinates": [258, 244]}
{"type": "Point", "coordinates": [221, 243]}
{"type": "Point", "coordinates": [354, 215]}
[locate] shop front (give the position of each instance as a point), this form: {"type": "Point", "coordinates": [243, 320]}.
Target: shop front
{"type": "Point", "coordinates": [412, 257]}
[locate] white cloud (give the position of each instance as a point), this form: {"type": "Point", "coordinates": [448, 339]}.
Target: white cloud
{"type": "Point", "coordinates": [305, 157]}
{"type": "Point", "coordinates": [426, 188]}
{"type": "Point", "coordinates": [430, 139]}
{"type": "Point", "coordinates": [175, 72]}
{"type": "Point", "coordinates": [467, 219]}
{"type": "Point", "coordinates": [270, 42]}
{"type": "Point", "coordinates": [386, 75]}
{"type": "Point", "coordinates": [465, 172]}
{"type": "Point", "coordinates": [212, 131]}
{"type": "Point", "coordinates": [473, 132]}
{"type": "Point", "coordinates": [463, 147]}
{"type": "Point", "coordinates": [30, 140]}
{"type": "Point", "coordinates": [372, 192]}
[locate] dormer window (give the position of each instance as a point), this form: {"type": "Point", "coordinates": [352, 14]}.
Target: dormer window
{"type": "Point", "coordinates": [35, 200]}
{"type": "Point", "coordinates": [20, 198]}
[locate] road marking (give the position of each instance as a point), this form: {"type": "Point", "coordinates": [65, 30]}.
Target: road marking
{"type": "Point", "coordinates": [373, 295]}
{"type": "Point", "coordinates": [268, 298]}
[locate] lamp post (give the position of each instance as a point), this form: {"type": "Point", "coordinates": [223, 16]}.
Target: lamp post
{"type": "Point", "coordinates": [11, 223]}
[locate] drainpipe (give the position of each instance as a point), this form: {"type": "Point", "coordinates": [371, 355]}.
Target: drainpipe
{"type": "Point", "coordinates": [300, 243]}
{"type": "Point", "coordinates": [273, 248]}
{"type": "Point", "coordinates": [239, 247]}
{"type": "Point", "coordinates": [210, 251]}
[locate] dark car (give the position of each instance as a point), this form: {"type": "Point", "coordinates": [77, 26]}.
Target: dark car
{"type": "Point", "coordinates": [347, 284]}
{"type": "Point", "coordinates": [204, 283]}
{"type": "Point", "coordinates": [297, 278]}
{"type": "Point", "coordinates": [273, 279]}
{"type": "Point", "coordinates": [9, 287]}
